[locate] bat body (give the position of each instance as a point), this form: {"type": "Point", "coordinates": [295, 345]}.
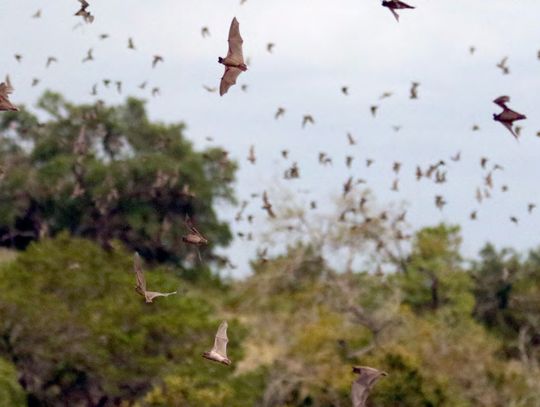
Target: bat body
{"type": "Point", "coordinates": [86, 15]}
{"type": "Point", "coordinates": [507, 117]}
{"type": "Point", "coordinates": [234, 61]}
{"type": "Point", "coordinates": [5, 90]}
{"type": "Point", "coordinates": [361, 387]}
{"type": "Point", "coordinates": [218, 353]}
{"type": "Point", "coordinates": [394, 5]}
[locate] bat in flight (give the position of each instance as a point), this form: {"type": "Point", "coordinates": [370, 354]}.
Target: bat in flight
{"type": "Point", "coordinates": [141, 282]}
{"type": "Point", "coordinates": [394, 5]}
{"type": "Point", "coordinates": [218, 353]}
{"type": "Point", "coordinates": [234, 61]}
{"type": "Point", "coordinates": [507, 117]}
{"type": "Point", "coordinates": [5, 90]}
{"type": "Point", "coordinates": [361, 387]}
{"type": "Point", "coordinates": [86, 15]}
{"type": "Point", "coordinates": [194, 237]}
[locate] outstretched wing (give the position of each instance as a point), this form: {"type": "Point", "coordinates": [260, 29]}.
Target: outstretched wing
{"type": "Point", "coordinates": [396, 15]}
{"type": "Point", "coordinates": [235, 53]}
{"type": "Point", "coordinates": [220, 343]}
{"type": "Point", "coordinates": [228, 79]}
{"type": "Point", "coordinates": [510, 129]}
{"type": "Point", "coordinates": [137, 267]}
{"type": "Point", "coordinates": [502, 101]}
{"type": "Point", "coordinates": [363, 384]}
{"type": "Point", "coordinates": [359, 393]}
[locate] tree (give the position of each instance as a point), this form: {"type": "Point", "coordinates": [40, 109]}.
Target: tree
{"type": "Point", "coordinates": [78, 333]}
{"type": "Point", "coordinates": [108, 172]}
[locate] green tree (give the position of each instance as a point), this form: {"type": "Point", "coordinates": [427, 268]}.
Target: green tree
{"type": "Point", "coordinates": [108, 172]}
{"type": "Point", "coordinates": [11, 393]}
{"type": "Point", "coordinates": [78, 333]}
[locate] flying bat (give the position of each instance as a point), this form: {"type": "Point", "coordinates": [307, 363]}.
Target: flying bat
{"type": "Point", "coordinates": [280, 112]}
{"type": "Point", "coordinates": [361, 387]}
{"type": "Point", "coordinates": [503, 66]}
{"type": "Point", "coordinates": [141, 282]}
{"type": "Point", "coordinates": [234, 61]}
{"type": "Point", "coordinates": [267, 206]}
{"type": "Point", "coordinates": [218, 353]}
{"type": "Point", "coordinates": [307, 119]}
{"type": "Point", "coordinates": [205, 32]}
{"type": "Point", "coordinates": [86, 15]}
{"type": "Point", "coordinates": [507, 117]}
{"type": "Point", "coordinates": [414, 90]}
{"type": "Point", "coordinates": [157, 58]}
{"type": "Point", "coordinates": [5, 90]}
{"type": "Point", "coordinates": [394, 5]}
{"type": "Point", "coordinates": [194, 237]}
{"type": "Point", "coordinates": [270, 47]}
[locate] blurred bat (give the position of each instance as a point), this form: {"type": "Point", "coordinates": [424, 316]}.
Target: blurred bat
{"type": "Point", "coordinates": [141, 282]}
{"type": "Point", "coordinates": [5, 90]}
{"type": "Point", "coordinates": [218, 353]}
{"type": "Point", "coordinates": [234, 61]}
{"type": "Point", "coordinates": [194, 237]}
{"type": "Point", "coordinates": [86, 15]}
{"type": "Point", "coordinates": [361, 387]}
{"type": "Point", "coordinates": [267, 206]}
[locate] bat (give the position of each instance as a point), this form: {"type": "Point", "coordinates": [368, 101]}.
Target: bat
{"type": "Point", "coordinates": [267, 206]}
{"type": "Point", "coordinates": [50, 60]}
{"type": "Point", "coordinates": [205, 32]}
{"type": "Point", "coordinates": [194, 237]}
{"type": "Point", "coordinates": [86, 15]}
{"type": "Point", "coordinates": [351, 140]}
{"type": "Point", "coordinates": [394, 5]}
{"type": "Point", "coordinates": [157, 58]}
{"type": "Point", "coordinates": [218, 353]}
{"type": "Point", "coordinates": [131, 44]}
{"type": "Point", "coordinates": [251, 157]}
{"type": "Point", "coordinates": [5, 90]}
{"type": "Point", "coordinates": [361, 387]}
{"type": "Point", "coordinates": [280, 112]}
{"type": "Point", "coordinates": [414, 90]}
{"type": "Point", "coordinates": [507, 117]}
{"type": "Point", "coordinates": [270, 47]}
{"type": "Point", "coordinates": [503, 66]}
{"type": "Point", "coordinates": [307, 119]}
{"type": "Point", "coordinates": [234, 61]}
{"type": "Point", "coordinates": [141, 282]}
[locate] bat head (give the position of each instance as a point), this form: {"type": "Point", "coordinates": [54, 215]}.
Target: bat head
{"type": "Point", "coordinates": [220, 60]}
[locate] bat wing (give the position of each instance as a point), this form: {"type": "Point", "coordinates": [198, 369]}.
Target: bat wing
{"type": "Point", "coordinates": [510, 129]}
{"type": "Point", "coordinates": [137, 267]}
{"type": "Point", "coordinates": [502, 101]}
{"type": "Point", "coordinates": [228, 79]}
{"type": "Point", "coordinates": [363, 384]}
{"type": "Point", "coordinates": [221, 340]}
{"type": "Point", "coordinates": [510, 115]}
{"type": "Point", "coordinates": [396, 15]}
{"type": "Point", "coordinates": [235, 43]}
{"type": "Point", "coordinates": [359, 393]}
{"type": "Point", "coordinates": [153, 294]}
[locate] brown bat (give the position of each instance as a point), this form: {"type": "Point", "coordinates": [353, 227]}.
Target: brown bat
{"type": "Point", "coordinates": [157, 58]}
{"type": "Point", "coordinates": [234, 61]}
{"type": "Point", "coordinates": [270, 47]}
{"type": "Point", "coordinates": [280, 112]}
{"type": "Point", "coordinates": [218, 353]}
{"type": "Point", "coordinates": [503, 66]}
{"type": "Point", "coordinates": [194, 237]}
{"type": "Point", "coordinates": [251, 157]}
{"type": "Point", "coordinates": [394, 5]}
{"type": "Point", "coordinates": [361, 387]}
{"type": "Point", "coordinates": [307, 119]}
{"type": "Point", "coordinates": [414, 90]}
{"type": "Point", "coordinates": [86, 15]}
{"type": "Point", "coordinates": [351, 140]}
{"type": "Point", "coordinates": [50, 60]}
{"type": "Point", "coordinates": [267, 206]}
{"type": "Point", "coordinates": [507, 117]}
{"type": "Point", "coordinates": [5, 90]}
{"type": "Point", "coordinates": [141, 282]}
{"type": "Point", "coordinates": [131, 44]}
{"type": "Point", "coordinates": [205, 32]}
{"type": "Point", "coordinates": [345, 90]}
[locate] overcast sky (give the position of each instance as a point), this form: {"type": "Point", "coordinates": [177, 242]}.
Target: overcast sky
{"type": "Point", "coordinates": [320, 46]}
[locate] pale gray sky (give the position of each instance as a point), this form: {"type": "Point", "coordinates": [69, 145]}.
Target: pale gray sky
{"type": "Point", "coordinates": [320, 46]}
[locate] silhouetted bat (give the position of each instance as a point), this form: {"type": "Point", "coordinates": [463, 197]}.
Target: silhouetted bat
{"type": "Point", "coordinates": [507, 117]}
{"type": "Point", "coordinates": [5, 90]}
{"type": "Point", "coordinates": [364, 383]}
{"type": "Point", "coordinates": [218, 353]}
{"type": "Point", "coordinates": [394, 5]}
{"type": "Point", "coordinates": [234, 61]}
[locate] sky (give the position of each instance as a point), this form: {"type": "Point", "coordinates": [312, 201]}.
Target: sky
{"type": "Point", "coordinates": [320, 46]}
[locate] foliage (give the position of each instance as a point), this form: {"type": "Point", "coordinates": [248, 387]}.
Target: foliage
{"type": "Point", "coordinates": [11, 393]}
{"type": "Point", "coordinates": [105, 173]}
